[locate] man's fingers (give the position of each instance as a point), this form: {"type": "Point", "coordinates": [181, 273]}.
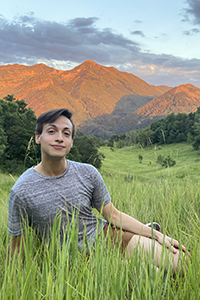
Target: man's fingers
{"type": "Point", "coordinates": [183, 249]}
{"type": "Point", "coordinates": [175, 243]}
{"type": "Point", "coordinates": [172, 249]}
{"type": "Point", "coordinates": [171, 245]}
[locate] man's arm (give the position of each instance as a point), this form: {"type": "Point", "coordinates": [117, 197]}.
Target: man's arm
{"type": "Point", "coordinates": [126, 222]}
{"type": "Point", "coordinates": [14, 244]}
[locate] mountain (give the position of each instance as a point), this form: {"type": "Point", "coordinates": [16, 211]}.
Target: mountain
{"type": "Point", "coordinates": [104, 101]}
{"type": "Point", "coordinates": [184, 98]}
{"type": "Point", "coordinates": [89, 90]}
{"type": "Point", "coordinates": [181, 99]}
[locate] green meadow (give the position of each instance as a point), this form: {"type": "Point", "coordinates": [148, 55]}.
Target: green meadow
{"type": "Point", "coordinates": [146, 191]}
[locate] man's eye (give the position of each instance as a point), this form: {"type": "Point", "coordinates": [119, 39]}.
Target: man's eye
{"type": "Point", "coordinates": [66, 133]}
{"type": "Point", "coordinates": [51, 131]}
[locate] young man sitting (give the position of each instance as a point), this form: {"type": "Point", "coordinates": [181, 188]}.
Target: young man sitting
{"type": "Point", "coordinates": [57, 186]}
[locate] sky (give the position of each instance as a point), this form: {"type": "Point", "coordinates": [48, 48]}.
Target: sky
{"type": "Point", "coordinates": [156, 40]}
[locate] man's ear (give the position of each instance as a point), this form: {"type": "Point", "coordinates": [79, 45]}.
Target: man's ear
{"type": "Point", "coordinates": [37, 138]}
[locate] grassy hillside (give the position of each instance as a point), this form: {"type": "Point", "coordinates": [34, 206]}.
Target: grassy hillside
{"type": "Point", "coordinates": [143, 190]}
{"type": "Point", "coordinates": [125, 162]}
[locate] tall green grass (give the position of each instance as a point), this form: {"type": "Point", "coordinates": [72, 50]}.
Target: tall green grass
{"type": "Point", "coordinates": [146, 192]}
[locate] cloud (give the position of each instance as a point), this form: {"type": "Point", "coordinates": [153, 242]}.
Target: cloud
{"type": "Point", "coordinates": [138, 32]}
{"type": "Point", "coordinates": [138, 21]}
{"type": "Point", "coordinates": [29, 18]}
{"type": "Point", "coordinates": [28, 40]}
{"type": "Point", "coordinates": [192, 31]}
{"type": "Point", "coordinates": [192, 13]}
{"type": "Point", "coordinates": [83, 22]}
{"type": "Point", "coordinates": [163, 74]}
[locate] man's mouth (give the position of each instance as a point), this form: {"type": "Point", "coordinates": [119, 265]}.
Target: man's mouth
{"type": "Point", "coordinates": [58, 146]}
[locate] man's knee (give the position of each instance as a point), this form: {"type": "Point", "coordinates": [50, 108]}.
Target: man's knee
{"type": "Point", "coordinates": [133, 243]}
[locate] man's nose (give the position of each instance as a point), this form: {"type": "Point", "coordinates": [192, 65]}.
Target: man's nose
{"type": "Point", "coordinates": [59, 136]}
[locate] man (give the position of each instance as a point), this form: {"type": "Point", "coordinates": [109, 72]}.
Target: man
{"type": "Point", "coordinates": [57, 186]}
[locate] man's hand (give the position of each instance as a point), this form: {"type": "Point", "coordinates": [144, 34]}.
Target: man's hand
{"type": "Point", "coordinates": [170, 243]}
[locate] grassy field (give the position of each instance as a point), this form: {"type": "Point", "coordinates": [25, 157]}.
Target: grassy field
{"type": "Point", "coordinates": [125, 161]}
{"type": "Point", "coordinates": [170, 196]}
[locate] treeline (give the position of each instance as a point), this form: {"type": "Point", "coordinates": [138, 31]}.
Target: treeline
{"type": "Point", "coordinates": [18, 149]}
{"type": "Point", "coordinates": [173, 129]}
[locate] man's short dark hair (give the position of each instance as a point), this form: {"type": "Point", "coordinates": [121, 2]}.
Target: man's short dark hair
{"type": "Point", "coordinates": [52, 115]}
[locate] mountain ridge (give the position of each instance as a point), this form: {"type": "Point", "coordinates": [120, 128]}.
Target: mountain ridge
{"type": "Point", "coordinates": [89, 90]}
{"type": "Point", "coordinates": [98, 96]}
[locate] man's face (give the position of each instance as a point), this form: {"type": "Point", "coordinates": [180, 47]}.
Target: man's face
{"type": "Point", "coordinates": [56, 138]}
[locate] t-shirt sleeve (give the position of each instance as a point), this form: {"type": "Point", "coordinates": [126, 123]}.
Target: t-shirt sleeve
{"type": "Point", "coordinates": [17, 215]}
{"type": "Point", "coordinates": [101, 196]}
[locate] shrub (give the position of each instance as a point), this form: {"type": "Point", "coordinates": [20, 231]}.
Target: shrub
{"type": "Point", "coordinates": [140, 158]}
{"type": "Point", "coordinates": [166, 161]}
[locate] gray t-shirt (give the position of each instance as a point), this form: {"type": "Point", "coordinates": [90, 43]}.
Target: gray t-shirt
{"type": "Point", "coordinates": [39, 199]}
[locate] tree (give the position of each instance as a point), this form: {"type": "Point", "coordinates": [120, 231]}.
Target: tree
{"type": "Point", "coordinates": [172, 129]}
{"type": "Point", "coordinates": [113, 138]}
{"type": "Point", "coordinates": [74, 154]}
{"type": "Point", "coordinates": [196, 130]}
{"type": "Point", "coordinates": [18, 125]}
{"type": "Point", "coordinates": [3, 138]}
{"type": "Point", "coordinates": [85, 149]}
{"type": "Point", "coordinates": [145, 137]}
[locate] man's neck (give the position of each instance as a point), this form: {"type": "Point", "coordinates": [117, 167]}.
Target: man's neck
{"type": "Point", "coordinates": [52, 168]}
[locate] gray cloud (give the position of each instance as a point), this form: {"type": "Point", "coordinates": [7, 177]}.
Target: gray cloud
{"type": "Point", "coordinates": [192, 31]}
{"type": "Point", "coordinates": [187, 32]}
{"type": "Point", "coordinates": [138, 21]}
{"type": "Point", "coordinates": [192, 13]}
{"type": "Point", "coordinates": [28, 40]}
{"type": "Point", "coordinates": [83, 22]}
{"type": "Point", "coordinates": [138, 32]}
{"type": "Point", "coordinates": [195, 30]}
{"type": "Point", "coordinates": [29, 18]}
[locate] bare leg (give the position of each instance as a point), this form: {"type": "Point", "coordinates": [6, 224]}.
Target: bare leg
{"type": "Point", "coordinates": [156, 252]}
